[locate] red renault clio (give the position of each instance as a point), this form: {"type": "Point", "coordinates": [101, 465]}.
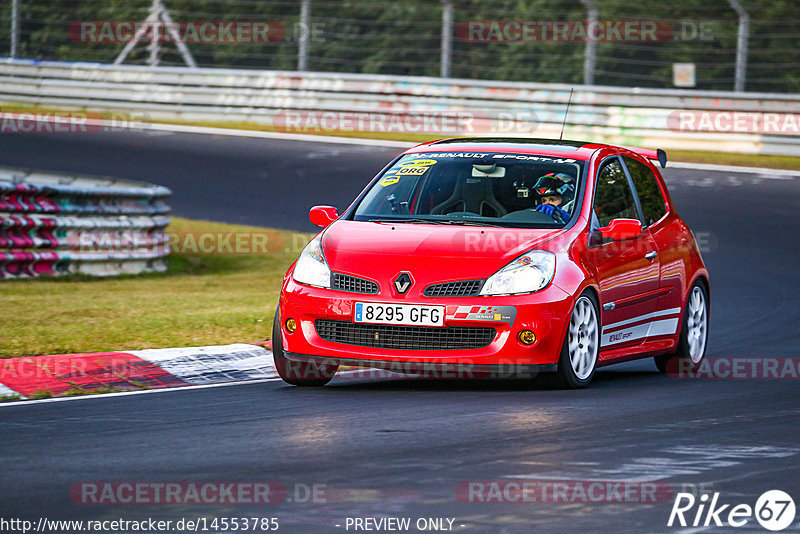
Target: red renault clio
{"type": "Point", "coordinates": [484, 257]}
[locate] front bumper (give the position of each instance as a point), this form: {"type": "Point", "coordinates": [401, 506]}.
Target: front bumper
{"type": "Point", "coordinates": [439, 370]}
{"type": "Point", "coordinates": [546, 313]}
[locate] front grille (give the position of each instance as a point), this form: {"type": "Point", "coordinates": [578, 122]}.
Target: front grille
{"type": "Point", "coordinates": [466, 288]}
{"type": "Point", "coordinates": [404, 337]}
{"type": "Point", "coordinates": [353, 284]}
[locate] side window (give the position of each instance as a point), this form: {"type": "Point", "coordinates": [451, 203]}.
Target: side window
{"type": "Point", "coordinates": [653, 204]}
{"type": "Point", "coordinates": [613, 198]}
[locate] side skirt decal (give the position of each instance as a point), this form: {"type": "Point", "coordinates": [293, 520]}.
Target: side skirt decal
{"type": "Point", "coordinates": [623, 334]}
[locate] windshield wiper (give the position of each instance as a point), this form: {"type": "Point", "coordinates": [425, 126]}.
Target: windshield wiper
{"type": "Point", "coordinates": [467, 222]}
{"type": "Point", "coordinates": [461, 222]}
{"type": "Point", "coordinates": [410, 220]}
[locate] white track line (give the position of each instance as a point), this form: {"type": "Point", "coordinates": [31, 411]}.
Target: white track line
{"type": "Point", "coordinates": [212, 365]}
{"type": "Point", "coordinates": [138, 392]}
{"type": "Point", "coordinates": [208, 130]}
{"type": "Point", "coordinates": [768, 173]}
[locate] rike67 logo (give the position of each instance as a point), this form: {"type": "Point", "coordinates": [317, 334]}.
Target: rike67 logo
{"type": "Point", "coordinates": [774, 510]}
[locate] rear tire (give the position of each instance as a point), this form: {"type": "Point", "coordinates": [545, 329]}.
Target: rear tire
{"type": "Point", "coordinates": [694, 334]}
{"type": "Point", "coordinates": [305, 374]}
{"type": "Point", "coordinates": [578, 361]}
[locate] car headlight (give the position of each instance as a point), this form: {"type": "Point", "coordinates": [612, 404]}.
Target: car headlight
{"type": "Point", "coordinates": [528, 273]}
{"type": "Point", "coordinates": [311, 268]}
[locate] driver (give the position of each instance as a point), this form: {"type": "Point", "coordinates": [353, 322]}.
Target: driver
{"type": "Point", "coordinates": [555, 190]}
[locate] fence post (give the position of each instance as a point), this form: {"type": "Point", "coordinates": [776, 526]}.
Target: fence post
{"type": "Point", "coordinates": [590, 53]}
{"type": "Point", "coordinates": [741, 45]}
{"type": "Point", "coordinates": [154, 46]}
{"type": "Point", "coordinates": [14, 26]}
{"type": "Point", "coordinates": [304, 35]}
{"type": "Point", "coordinates": [158, 13]}
{"type": "Point", "coordinates": [447, 38]}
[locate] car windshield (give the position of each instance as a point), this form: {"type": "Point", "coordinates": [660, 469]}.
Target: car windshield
{"type": "Point", "coordinates": [492, 189]}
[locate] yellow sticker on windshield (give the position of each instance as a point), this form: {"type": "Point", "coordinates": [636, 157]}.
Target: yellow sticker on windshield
{"type": "Point", "coordinates": [425, 162]}
{"type": "Point", "coordinates": [412, 170]}
{"type": "Point", "coordinates": [389, 180]}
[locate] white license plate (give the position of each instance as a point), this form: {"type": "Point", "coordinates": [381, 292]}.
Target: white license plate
{"type": "Point", "coordinates": [403, 314]}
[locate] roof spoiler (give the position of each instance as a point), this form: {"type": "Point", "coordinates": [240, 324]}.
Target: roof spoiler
{"type": "Point", "coordinates": [658, 155]}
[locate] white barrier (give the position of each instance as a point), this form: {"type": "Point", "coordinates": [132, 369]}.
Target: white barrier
{"type": "Point", "coordinates": [733, 122]}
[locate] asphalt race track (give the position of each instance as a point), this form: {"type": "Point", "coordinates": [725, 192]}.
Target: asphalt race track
{"type": "Point", "coordinates": [401, 447]}
{"type": "Point", "coordinates": [229, 179]}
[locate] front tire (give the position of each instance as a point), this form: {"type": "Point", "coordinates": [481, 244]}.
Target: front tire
{"type": "Point", "coordinates": [694, 334]}
{"type": "Point", "coordinates": [305, 374]}
{"type": "Point", "coordinates": [578, 361]}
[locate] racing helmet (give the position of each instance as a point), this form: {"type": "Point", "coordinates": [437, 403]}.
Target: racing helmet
{"type": "Point", "coordinates": [555, 183]}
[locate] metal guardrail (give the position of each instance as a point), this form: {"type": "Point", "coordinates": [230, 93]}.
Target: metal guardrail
{"type": "Point", "coordinates": [638, 117]}
{"type": "Point", "coordinates": [56, 224]}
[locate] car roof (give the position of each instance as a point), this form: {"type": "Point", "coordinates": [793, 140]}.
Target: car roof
{"type": "Point", "coordinates": [579, 150]}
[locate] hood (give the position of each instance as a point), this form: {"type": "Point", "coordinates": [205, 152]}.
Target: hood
{"type": "Point", "coordinates": [430, 252]}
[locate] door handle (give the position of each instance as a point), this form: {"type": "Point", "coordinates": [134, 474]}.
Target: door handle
{"type": "Point", "coordinates": [651, 255]}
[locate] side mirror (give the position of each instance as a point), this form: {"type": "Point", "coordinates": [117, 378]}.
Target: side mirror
{"type": "Point", "coordinates": [621, 229]}
{"type": "Point", "coordinates": [322, 215]}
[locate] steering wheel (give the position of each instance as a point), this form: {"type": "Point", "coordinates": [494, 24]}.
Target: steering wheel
{"type": "Point", "coordinates": [400, 208]}
{"type": "Point", "coordinates": [556, 215]}
{"type": "Point", "coordinates": [558, 218]}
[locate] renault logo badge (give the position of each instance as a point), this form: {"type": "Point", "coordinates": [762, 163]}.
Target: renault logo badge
{"type": "Point", "coordinates": [403, 283]}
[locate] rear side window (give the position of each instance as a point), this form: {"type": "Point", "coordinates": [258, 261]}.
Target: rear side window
{"type": "Point", "coordinates": [653, 204]}
{"type": "Point", "coordinates": [613, 198]}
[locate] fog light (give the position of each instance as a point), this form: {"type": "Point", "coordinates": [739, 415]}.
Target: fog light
{"type": "Point", "coordinates": [526, 337]}
{"type": "Point", "coordinates": [291, 325]}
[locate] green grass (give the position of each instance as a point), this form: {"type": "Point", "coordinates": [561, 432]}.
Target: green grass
{"type": "Point", "coordinates": [77, 391]}
{"type": "Point", "coordinates": [689, 156]}
{"type": "Point", "coordinates": [200, 300]}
